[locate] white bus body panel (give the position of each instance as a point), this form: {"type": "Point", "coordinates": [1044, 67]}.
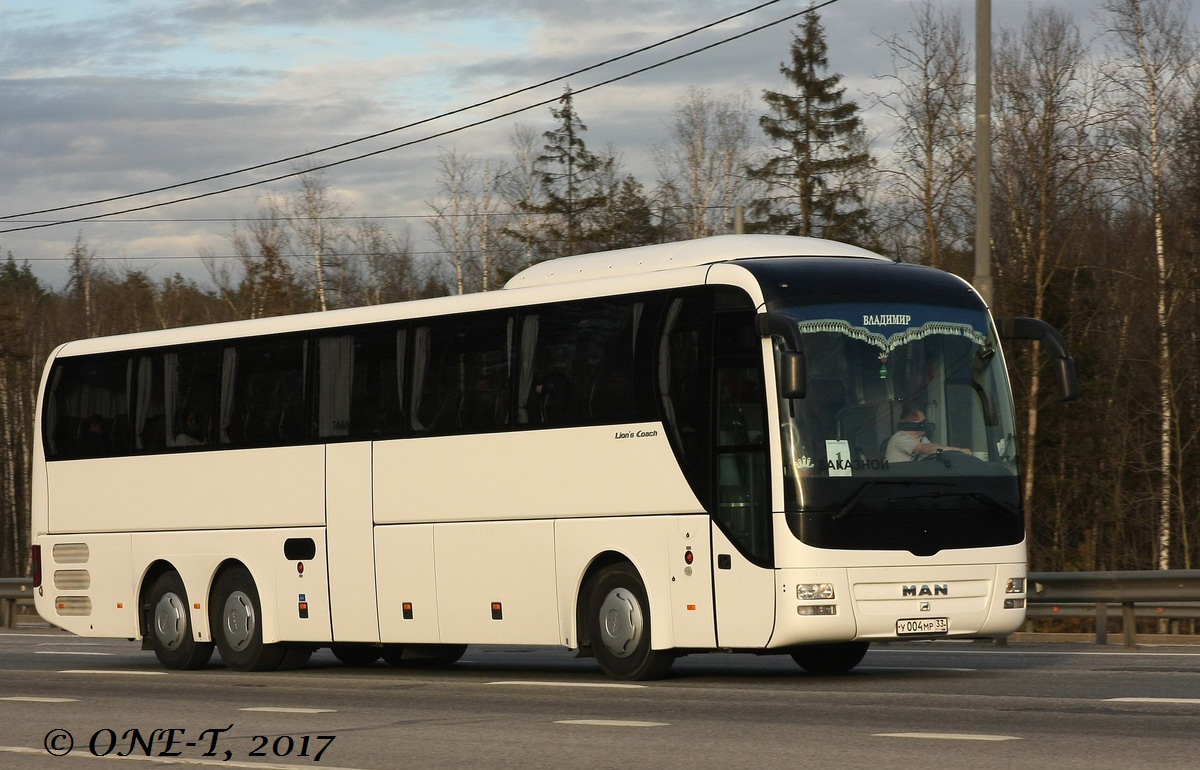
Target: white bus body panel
{"type": "Point", "coordinates": [405, 569]}
{"type": "Point", "coordinates": [350, 539]}
{"type": "Point", "coordinates": [509, 563]}
{"type": "Point", "coordinates": [278, 487]}
{"type": "Point", "coordinates": [530, 474]}
{"type": "Point", "coordinates": [745, 598]}
{"type": "Point", "coordinates": [88, 586]}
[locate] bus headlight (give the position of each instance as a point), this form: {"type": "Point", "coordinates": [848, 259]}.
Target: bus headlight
{"type": "Point", "coordinates": [810, 591]}
{"type": "Point", "coordinates": [1014, 586]}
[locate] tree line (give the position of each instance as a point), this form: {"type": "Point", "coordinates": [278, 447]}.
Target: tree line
{"type": "Point", "coordinates": [1096, 229]}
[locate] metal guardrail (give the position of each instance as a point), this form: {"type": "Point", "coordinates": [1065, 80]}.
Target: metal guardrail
{"type": "Point", "coordinates": [1175, 592]}
{"type": "Point", "coordinates": [14, 591]}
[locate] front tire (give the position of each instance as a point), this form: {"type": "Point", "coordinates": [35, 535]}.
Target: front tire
{"type": "Point", "coordinates": [235, 615]}
{"type": "Point", "coordinates": [619, 626]}
{"type": "Point", "coordinates": [169, 626]}
{"type": "Point", "coordinates": [827, 659]}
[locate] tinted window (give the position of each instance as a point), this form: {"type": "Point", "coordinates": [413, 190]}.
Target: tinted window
{"type": "Point", "coordinates": [358, 383]}
{"type": "Point", "coordinates": [262, 392]}
{"type": "Point", "coordinates": [87, 407]}
{"type": "Point", "coordinates": [580, 364]}
{"type": "Point", "coordinates": [461, 374]}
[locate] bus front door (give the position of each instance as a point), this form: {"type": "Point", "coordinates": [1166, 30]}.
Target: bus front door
{"type": "Point", "coordinates": [744, 596]}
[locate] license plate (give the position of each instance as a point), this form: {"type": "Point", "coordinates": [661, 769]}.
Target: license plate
{"type": "Point", "coordinates": [922, 626]}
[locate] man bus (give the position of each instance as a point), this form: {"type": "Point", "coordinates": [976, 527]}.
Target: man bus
{"type": "Point", "coordinates": [637, 454]}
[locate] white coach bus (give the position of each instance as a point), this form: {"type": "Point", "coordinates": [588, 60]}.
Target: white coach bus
{"type": "Point", "coordinates": [637, 454]}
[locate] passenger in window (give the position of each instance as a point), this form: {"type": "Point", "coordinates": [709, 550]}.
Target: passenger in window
{"type": "Point", "coordinates": [911, 441]}
{"type": "Point", "coordinates": [91, 441]}
{"type": "Point", "coordinates": [190, 434]}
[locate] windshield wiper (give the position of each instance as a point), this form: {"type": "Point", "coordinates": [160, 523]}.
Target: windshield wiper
{"type": "Point", "coordinates": [854, 498]}
{"type": "Point", "coordinates": [988, 501]}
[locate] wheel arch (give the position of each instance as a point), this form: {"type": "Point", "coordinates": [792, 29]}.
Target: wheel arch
{"type": "Point", "coordinates": [598, 564]}
{"type": "Point", "coordinates": [264, 586]}
{"type": "Point", "coordinates": [150, 576]}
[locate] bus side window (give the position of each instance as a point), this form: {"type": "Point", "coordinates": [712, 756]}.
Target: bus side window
{"type": "Point", "coordinates": [462, 374]}
{"type": "Point", "coordinates": [683, 377]}
{"type": "Point", "coordinates": [262, 392]}
{"type": "Point", "coordinates": [358, 383]}
{"type": "Point", "coordinates": [192, 383]}
{"type": "Point", "coordinates": [578, 364]}
{"type": "Point", "coordinates": [87, 407]}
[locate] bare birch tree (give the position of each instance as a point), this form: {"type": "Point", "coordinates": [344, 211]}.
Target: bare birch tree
{"type": "Point", "coordinates": [1154, 51]}
{"type": "Point", "coordinates": [933, 151]}
{"type": "Point", "coordinates": [464, 220]}
{"type": "Point", "coordinates": [315, 216]}
{"type": "Point", "coordinates": [702, 166]}
{"type": "Point", "coordinates": [1045, 171]}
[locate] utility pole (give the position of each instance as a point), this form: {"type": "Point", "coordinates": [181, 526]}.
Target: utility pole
{"type": "Point", "coordinates": [983, 149]}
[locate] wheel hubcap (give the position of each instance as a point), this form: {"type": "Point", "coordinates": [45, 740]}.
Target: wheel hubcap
{"type": "Point", "coordinates": [239, 620]}
{"type": "Point", "coordinates": [170, 621]}
{"type": "Point", "coordinates": [621, 622]}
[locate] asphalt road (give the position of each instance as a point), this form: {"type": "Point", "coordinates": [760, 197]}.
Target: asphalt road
{"type": "Point", "coordinates": [938, 705]}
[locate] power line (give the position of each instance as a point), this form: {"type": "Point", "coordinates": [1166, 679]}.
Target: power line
{"type": "Point", "coordinates": [389, 131]}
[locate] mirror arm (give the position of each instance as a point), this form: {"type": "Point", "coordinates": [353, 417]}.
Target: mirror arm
{"type": "Point", "coordinates": [1035, 329]}
{"type": "Point", "coordinates": [793, 375]}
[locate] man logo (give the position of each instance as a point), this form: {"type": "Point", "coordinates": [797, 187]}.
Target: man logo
{"type": "Point", "coordinates": [940, 589]}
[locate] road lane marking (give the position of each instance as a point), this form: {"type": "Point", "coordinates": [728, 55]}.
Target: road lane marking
{"type": "Point", "coordinates": [70, 652]}
{"type": "Point", "coordinates": [923, 669]}
{"type": "Point", "coordinates": [611, 723]}
{"type": "Point", "coordinates": [32, 699]}
{"type": "Point", "coordinates": [1193, 701]}
{"type": "Point", "coordinates": [950, 736]}
{"type": "Point", "coordinates": [289, 710]}
{"type": "Point", "coordinates": [610, 685]}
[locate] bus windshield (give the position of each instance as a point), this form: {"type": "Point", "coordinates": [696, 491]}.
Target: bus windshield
{"type": "Point", "coordinates": [904, 437]}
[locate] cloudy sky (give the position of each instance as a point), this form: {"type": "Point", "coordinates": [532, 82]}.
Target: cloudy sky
{"type": "Point", "coordinates": [104, 98]}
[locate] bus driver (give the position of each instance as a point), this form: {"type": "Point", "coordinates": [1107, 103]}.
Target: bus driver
{"type": "Point", "coordinates": [910, 442]}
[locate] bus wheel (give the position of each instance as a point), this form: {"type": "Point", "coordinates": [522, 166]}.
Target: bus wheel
{"type": "Point", "coordinates": [835, 658]}
{"type": "Point", "coordinates": [422, 655]}
{"type": "Point", "coordinates": [619, 626]}
{"type": "Point", "coordinates": [170, 626]}
{"type": "Point", "coordinates": [356, 654]}
{"type": "Point", "coordinates": [235, 615]}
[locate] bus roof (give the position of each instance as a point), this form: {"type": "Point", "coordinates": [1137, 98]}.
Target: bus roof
{"type": "Point", "coordinates": [666, 256]}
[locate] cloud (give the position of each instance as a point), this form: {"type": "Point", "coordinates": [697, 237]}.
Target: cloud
{"type": "Point", "coordinates": [106, 98]}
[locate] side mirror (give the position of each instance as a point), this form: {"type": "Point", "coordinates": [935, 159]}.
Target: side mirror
{"type": "Point", "coordinates": [1035, 329]}
{"type": "Point", "coordinates": [793, 374]}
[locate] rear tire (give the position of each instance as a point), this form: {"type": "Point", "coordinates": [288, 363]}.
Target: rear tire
{"type": "Point", "coordinates": [828, 659]}
{"type": "Point", "coordinates": [235, 615]}
{"type": "Point", "coordinates": [169, 626]}
{"type": "Point", "coordinates": [619, 623]}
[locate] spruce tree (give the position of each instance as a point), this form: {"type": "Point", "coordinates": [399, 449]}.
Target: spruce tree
{"type": "Point", "coordinates": [818, 149]}
{"type": "Point", "coordinates": [568, 173]}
